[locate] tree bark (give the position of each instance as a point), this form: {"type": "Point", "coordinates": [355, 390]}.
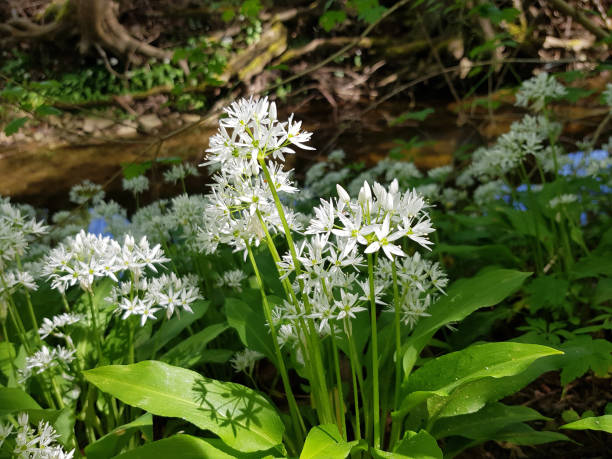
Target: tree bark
{"type": "Point", "coordinates": [95, 21]}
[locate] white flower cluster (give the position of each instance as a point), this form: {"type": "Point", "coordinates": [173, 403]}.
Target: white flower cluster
{"type": "Point", "coordinates": [86, 192]}
{"type": "Point", "coordinates": [530, 136]}
{"type": "Point", "coordinates": [241, 199]}
{"type": "Point", "coordinates": [45, 359]}
{"type": "Point", "coordinates": [180, 172]}
{"type": "Point", "coordinates": [341, 232]}
{"type": "Point", "coordinates": [563, 199]}
{"type": "Point", "coordinates": [232, 279]}
{"type": "Point", "coordinates": [145, 296]}
{"type": "Point", "coordinates": [245, 360]}
{"type": "Point", "coordinates": [52, 326]}
{"type": "Point", "coordinates": [136, 185]}
{"type": "Point", "coordinates": [537, 91]}
{"type": "Point", "coordinates": [87, 257]}
{"type": "Point", "coordinates": [16, 232]}
{"type": "Point", "coordinates": [30, 443]}
{"type": "Point", "coordinates": [607, 95]}
{"type": "Point", "coordinates": [421, 282]}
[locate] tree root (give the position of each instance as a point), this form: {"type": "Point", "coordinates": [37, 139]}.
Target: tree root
{"type": "Point", "coordinates": [95, 21]}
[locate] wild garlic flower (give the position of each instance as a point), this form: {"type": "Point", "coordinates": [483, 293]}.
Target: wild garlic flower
{"type": "Point", "coordinates": [12, 280]}
{"type": "Point", "coordinates": [245, 360]}
{"type": "Point", "coordinates": [17, 231]}
{"type": "Point", "coordinates": [563, 199]}
{"type": "Point", "coordinates": [440, 173]}
{"type": "Point", "coordinates": [39, 442]}
{"type": "Point", "coordinates": [180, 172]}
{"type": "Point", "coordinates": [87, 257]}
{"type": "Point", "coordinates": [529, 136]}
{"type": "Point", "coordinates": [232, 279]}
{"type": "Point", "coordinates": [171, 292]}
{"type": "Point", "coordinates": [607, 95]}
{"type": "Point", "coordinates": [52, 326]}
{"type": "Point", "coordinates": [538, 90]}
{"type": "Point", "coordinates": [45, 359]}
{"type": "Point", "coordinates": [241, 199]}
{"type": "Point", "coordinates": [488, 192]}
{"type": "Point", "coordinates": [86, 192]}
{"type": "Point", "coordinates": [137, 184]}
{"type": "Point", "coordinates": [375, 220]}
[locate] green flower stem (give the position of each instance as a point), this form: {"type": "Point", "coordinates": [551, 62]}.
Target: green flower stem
{"type": "Point", "coordinates": [342, 411]}
{"type": "Point", "coordinates": [314, 341]}
{"type": "Point", "coordinates": [12, 357]}
{"type": "Point", "coordinates": [290, 294]}
{"type": "Point", "coordinates": [356, 370]}
{"type": "Point", "coordinates": [65, 301]}
{"type": "Point", "coordinates": [57, 392]}
{"type": "Point", "coordinates": [94, 321]}
{"type": "Point", "coordinates": [130, 340]}
{"type": "Point", "coordinates": [15, 317]}
{"type": "Point", "coordinates": [28, 300]}
{"type": "Point", "coordinates": [374, 349]}
{"type": "Point", "coordinates": [296, 416]}
{"type": "Point", "coordinates": [398, 336]}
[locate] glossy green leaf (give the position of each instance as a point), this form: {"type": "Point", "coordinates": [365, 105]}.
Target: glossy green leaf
{"type": "Point", "coordinates": [522, 434]}
{"type": "Point", "coordinates": [484, 423]}
{"type": "Point", "coordinates": [464, 297]}
{"type": "Point", "coordinates": [13, 399]}
{"type": "Point", "coordinates": [183, 446]}
{"type": "Point", "coordinates": [15, 125]}
{"type": "Point", "coordinates": [170, 329]}
{"type": "Point", "coordinates": [413, 446]}
{"type": "Point", "coordinates": [442, 375]}
{"type": "Point", "coordinates": [325, 441]}
{"type": "Point", "coordinates": [111, 443]}
{"type": "Point", "coordinates": [243, 419]}
{"type": "Point", "coordinates": [603, 423]}
{"type": "Point", "coordinates": [250, 325]}
{"type": "Point", "coordinates": [472, 396]}
{"type": "Point", "coordinates": [191, 351]}
{"type": "Point", "coordinates": [47, 110]}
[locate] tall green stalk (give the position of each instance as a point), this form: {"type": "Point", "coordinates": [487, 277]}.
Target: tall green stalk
{"type": "Point", "coordinates": [296, 416]}
{"type": "Point", "coordinates": [374, 350]}
{"type": "Point", "coordinates": [313, 337]}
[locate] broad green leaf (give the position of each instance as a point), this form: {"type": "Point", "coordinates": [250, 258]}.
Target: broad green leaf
{"type": "Point", "coordinates": [444, 374]}
{"type": "Point", "coordinates": [331, 19]}
{"type": "Point", "coordinates": [421, 115]}
{"type": "Point", "coordinates": [597, 423]}
{"type": "Point", "coordinates": [592, 266]}
{"type": "Point", "coordinates": [15, 125]}
{"type": "Point", "coordinates": [484, 423]}
{"type": "Point", "coordinates": [171, 329]}
{"type": "Point", "coordinates": [464, 297]}
{"type": "Point", "coordinates": [111, 443]}
{"type": "Point", "coordinates": [243, 419]}
{"type": "Point", "coordinates": [522, 434]}
{"type": "Point", "coordinates": [250, 325]}
{"type": "Point", "coordinates": [472, 396]}
{"type": "Point", "coordinates": [325, 441]}
{"type": "Point", "coordinates": [418, 446]}
{"type": "Point", "coordinates": [191, 351]}
{"type": "Point", "coordinates": [13, 399]}
{"type": "Point", "coordinates": [183, 446]}
{"type": "Point", "coordinates": [47, 110]}
{"type": "Point", "coordinates": [584, 353]}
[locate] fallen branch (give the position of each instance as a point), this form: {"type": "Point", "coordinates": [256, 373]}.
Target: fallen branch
{"type": "Point", "coordinates": [569, 10]}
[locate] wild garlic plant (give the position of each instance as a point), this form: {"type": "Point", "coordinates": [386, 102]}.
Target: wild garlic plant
{"type": "Point", "coordinates": [334, 271]}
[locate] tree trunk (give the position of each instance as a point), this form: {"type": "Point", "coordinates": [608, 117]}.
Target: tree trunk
{"type": "Point", "coordinates": [95, 21]}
